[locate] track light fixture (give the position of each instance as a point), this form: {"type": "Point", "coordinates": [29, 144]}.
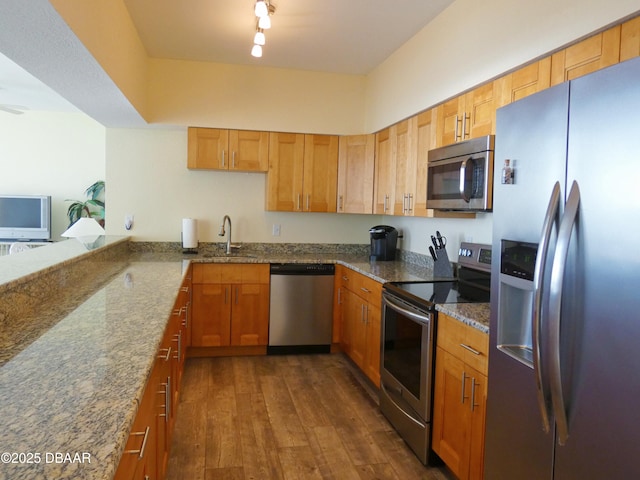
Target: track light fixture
{"type": "Point", "coordinates": [263, 10]}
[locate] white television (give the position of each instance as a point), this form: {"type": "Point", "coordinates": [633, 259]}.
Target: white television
{"type": "Point", "coordinates": [25, 217]}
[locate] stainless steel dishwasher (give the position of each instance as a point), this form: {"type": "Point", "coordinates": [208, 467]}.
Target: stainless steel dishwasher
{"type": "Point", "coordinates": [301, 310]}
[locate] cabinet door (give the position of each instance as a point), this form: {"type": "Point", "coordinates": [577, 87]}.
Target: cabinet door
{"type": "Point", "coordinates": [284, 180]}
{"type": "Point", "coordinates": [211, 315]}
{"type": "Point", "coordinates": [524, 82]}
{"type": "Point", "coordinates": [450, 116]}
{"type": "Point", "coordinates": [405, 165]}
{"type": "Point", "coordinates": [372, 352]}
{"type": "Point", "coordinates": [249, 151]}
{"type": "Point", "coordinates": [355, 173]}
{"type": "Point", "coordinates": [250, 314]}
{"type": "Point", "coordinates": [320, 177]}
{"type": "Point", "coordinates": [630, 39]}
{"type": "Point", "coordinates": [424, 140]}
{"type": "Point", "coordinates": [594, 53]}
{"type": "Point", "coordinates": [480, 111]}
{"type": "Point", "coordinates": [479, 401]}
{"type": "Point", "coordinates": [385, 176]}
{"type": "Point", "coordinates": [207, 148]}
{"type": "Point", "coordinates": [451, 412]}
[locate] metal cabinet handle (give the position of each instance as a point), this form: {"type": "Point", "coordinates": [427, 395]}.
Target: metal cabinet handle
{"type": "Point", "coordinates": [223, 159]}
{"type": "Point", "coordinates": [465, 116]}
{"type": "Point", "coordinates": [365, 290]}
{"type": "Point", "coordinates": [233, 159]}
{"type": "Point", "coordinates": [410, 197]}
{"type": "Point", "coordinates": [464, 379]}
{"type": "Point", "coordinates": [472, 350]}
{"type": "Point", "coordinates": [455, 132]}
{"type": "Point", "coordinates": [385, 204]}
{"type": "Point", "coordinates": [550, 218]}
{"type": "Point", "coordinates": [166, 355]}
{"type": "Point", "coordinates": [299, 202]}
{"type": "Point", "coordinates": [340, 204]}
{"type": "Point", "coordinates": [555, 307]}
{"type": "Point", "coordinates": [140, 452]}
{"type": "Point", "coordinates": [473, 394]}
{"type": "Point", "coordinates": [178, 339]}
{"type": "Point", "coordinates": [308, 202]}
{"type": "Point", "coordinates": [184, 289]}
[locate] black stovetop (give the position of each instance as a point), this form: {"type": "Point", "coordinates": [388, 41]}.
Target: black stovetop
{"type": "Point", "coordinates": [428, 294]}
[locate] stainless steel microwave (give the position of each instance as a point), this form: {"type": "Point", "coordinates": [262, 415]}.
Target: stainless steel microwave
{"type": "Point", "coordinates": [460, 176]}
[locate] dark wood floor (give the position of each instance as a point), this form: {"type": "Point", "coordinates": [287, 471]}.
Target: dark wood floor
{"type": "Point", "coordinates": [284, 417]}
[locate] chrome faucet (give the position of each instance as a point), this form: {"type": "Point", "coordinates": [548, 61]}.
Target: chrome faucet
{"type": "Point", "coordinates": [222, 232]}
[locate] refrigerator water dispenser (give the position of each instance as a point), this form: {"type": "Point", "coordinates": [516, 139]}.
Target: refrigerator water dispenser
{"type": "Point", "coordinates": [517, 262]}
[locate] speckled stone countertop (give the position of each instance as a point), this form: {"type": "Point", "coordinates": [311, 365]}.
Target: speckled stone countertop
{"type": "Point", "coordinates": [73, 368]}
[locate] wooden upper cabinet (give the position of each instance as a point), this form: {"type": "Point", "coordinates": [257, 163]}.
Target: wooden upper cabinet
{"type": "Point", "coordinates": [356, 156]}
{"type": "Point", "coordinates": [284, 180]}
{"type": "Point", "coordinates": [385, 172]}
{"type": "Point", "coordinates": [630, 39]}
{"type": "Point", "coordinates": [594, 53]}
{"type": "Point", "coordinates": [303, 172]}
{"type": "Point", "coordinates": [524, 82]}
{"type": "Point", "coordinates": [206, 148]}
{"type": "Point", "coordinates": [234, 150]}
{"type": "Point", "coordinates": [320, 177]}
{"type": "Point", "coordinates": [424, 140]}
{"type": "Point", "coordinates": [468, 116]}
{"type": "Point", "coordinates": [249, 150]}
{"type": "Point", "coordinates": [405, 164]}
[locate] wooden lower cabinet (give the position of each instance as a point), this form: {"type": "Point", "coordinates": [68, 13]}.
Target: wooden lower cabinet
{"type": "Point", "coordinates": [147, 450]}
{"type": "Point", "coordinates": [230, 305]}
{"type": "Point", "coordinates": [460, 395]}
{"type": "Point", "coordinates": [359, 302]}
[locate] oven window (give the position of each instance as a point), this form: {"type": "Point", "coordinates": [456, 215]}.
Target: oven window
{"type": "Point", "coordinates": [402, 350]}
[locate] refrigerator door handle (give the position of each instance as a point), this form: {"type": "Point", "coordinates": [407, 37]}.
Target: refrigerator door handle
{"type": "Point", "coordinates": [555, 307]}
{"type": "Point", "coordinates": [550, 218]}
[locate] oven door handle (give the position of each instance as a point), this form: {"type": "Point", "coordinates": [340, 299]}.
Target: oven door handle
{"type": "Point", "coordinates": [422, 319]}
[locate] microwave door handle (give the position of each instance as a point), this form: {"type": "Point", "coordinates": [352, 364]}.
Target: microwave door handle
{"type": "Point", "coordinates": [463, 171]}
{"type": "Point", "coordinates": [550, 219]}
{"type": "Point", "coordinates": [555, 308]}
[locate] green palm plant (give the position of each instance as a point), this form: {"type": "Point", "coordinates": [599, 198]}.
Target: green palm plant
{"type": "Point", "coordinates": [92, 207]}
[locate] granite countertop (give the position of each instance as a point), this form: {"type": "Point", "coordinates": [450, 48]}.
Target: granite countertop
{"type": "Point", "coordinates": [72, 384]}
{"type": "Point", "coordinates": [75, 389]}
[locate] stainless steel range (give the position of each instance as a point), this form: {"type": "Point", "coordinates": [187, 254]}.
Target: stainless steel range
{"type": "Point", "coordinates": [408, 342]}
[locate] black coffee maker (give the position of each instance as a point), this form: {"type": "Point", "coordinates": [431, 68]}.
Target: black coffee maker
{"type": "Point", "coordinates": [383, 242]}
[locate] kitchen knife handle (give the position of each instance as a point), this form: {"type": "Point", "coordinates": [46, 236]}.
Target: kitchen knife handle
{"type": "Point", "coordinates": [550, 219]}
{"type": "Point", "coordinates": [555, 308]}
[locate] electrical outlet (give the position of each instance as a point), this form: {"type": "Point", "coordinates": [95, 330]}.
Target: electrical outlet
{"type": "Point", "coordinates": [276, 230]}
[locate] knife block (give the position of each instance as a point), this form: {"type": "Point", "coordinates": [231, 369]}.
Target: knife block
{"type": "Point", "coordinates": [442, 266]}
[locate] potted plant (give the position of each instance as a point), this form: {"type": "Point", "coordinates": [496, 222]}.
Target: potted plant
{"type": "Point", "coordinates": [92, 207]}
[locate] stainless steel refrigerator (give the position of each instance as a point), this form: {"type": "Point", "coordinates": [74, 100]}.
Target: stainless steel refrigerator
{"type": "Point", "coordinates": [564, 366]}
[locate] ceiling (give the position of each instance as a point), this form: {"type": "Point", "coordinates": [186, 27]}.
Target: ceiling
{"type": "Point", "coordinates": [350, 37]}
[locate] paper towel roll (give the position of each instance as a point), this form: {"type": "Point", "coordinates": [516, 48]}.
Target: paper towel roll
{"type": "Point", "coordinates": [189, 233]}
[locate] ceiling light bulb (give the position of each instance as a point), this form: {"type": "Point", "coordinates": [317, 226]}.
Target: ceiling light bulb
{"type": "Point", "coordinates": [261, 9]}
{"type": "Point", "coordinates": [256, 51]}
{"type": "Point", "coordinates": [259, 38]}
{"type": "Point", "coordinates": [264, 23]}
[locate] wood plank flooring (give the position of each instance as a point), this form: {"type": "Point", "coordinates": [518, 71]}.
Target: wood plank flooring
{"type": "Point", "coordinates": [285, 417]}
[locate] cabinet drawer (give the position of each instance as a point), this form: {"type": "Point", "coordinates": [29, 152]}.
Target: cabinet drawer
{"type": "Point", "coordinates": [363, 286]}
{"type": "Point", "coordinates": [230, 273]}
{"type": "Point", "coordinates": [464, 342]}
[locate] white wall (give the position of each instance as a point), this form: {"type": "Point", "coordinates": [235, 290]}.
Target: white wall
{"type": "Point", "coordinates": [472, 42]}
{"type": "Point", "coordinates": [147, 175]}
{"type": "Point", "coordinates": [57, 154]}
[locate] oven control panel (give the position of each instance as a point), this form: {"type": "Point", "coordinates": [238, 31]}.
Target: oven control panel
{"type": "Point", "coordinates": [475, 255]}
